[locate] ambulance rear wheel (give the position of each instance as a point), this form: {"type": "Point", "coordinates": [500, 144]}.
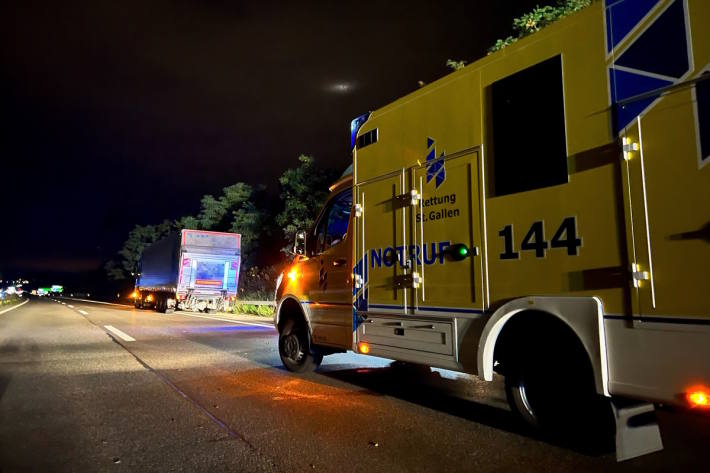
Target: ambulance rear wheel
{"type": "Point", "coordinates": [552, 389]}
{"type": "Point", "coordinates": [295, 350]}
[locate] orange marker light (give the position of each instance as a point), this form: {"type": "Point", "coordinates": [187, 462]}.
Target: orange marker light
{"type": "Point", "coordinates": [364, 348]}
{"type": "Point", "coordinates": [293, 275]}
{"type": "Point", "coordinates": [134, 294]}
{"type": "Point", "coordinates": [149, 298]}
{"type": "Point", "coordinates": [698, 396]}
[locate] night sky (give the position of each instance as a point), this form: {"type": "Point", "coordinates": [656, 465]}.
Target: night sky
{"type": "Point", "coordinates": [122, 113]}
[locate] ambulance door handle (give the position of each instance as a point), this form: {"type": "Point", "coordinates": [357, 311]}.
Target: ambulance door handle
{"type": "Point", "coordinates": [339, 262]}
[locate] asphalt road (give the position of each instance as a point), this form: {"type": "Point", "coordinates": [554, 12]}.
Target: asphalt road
{"type": "Point", "coordinates": [183, 392]}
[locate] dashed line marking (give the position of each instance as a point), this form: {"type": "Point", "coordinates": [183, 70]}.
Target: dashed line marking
{"type": "Point", "coordinates": [122, 335]}
{"type": "Point", "coordinates": [83, 312]}
{"type": "Point", "coordinates": [70, 306]}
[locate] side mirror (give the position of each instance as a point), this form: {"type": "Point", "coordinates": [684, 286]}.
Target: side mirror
{"type": "Point", "coordinates": [299, 245]}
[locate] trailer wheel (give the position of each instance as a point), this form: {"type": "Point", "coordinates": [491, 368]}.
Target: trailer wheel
{"type": "Point", "coordinates": [295, 350]}
{"type": "Point", "coordinates": [551, 387]}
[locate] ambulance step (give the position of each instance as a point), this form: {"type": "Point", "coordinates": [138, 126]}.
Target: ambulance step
{"type": "Point", "coordinates": [432, 336]}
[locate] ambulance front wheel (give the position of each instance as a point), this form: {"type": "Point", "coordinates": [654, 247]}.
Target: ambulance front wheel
{"type": "Point", "coordinates": [295, 350]}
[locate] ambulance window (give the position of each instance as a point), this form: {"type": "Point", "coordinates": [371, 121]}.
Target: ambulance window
{"type": "Point", "coordinates": [333, 225]}
{"type": "Point", "coordinates": [527, 130]}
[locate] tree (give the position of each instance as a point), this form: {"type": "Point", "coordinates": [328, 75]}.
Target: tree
{"type": "Point", "coordinates": [212, 212]}
{"type": "Point", "coordinates": [303, 190]}
{"type": "Point", "coordinates": [248, 221]}
{"type": "Point", "coordinates": [233, 211]}
{"type": "Point", "coordinates": [538, 18]}
{"type": "Point", "coordinates": [187, 222]}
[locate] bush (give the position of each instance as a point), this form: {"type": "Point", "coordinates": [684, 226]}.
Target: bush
{"type": "Point", "coordinates": [258, 284]}
{"type": "Point", "coordinates": [10, 299]}
{"type": "Point", "coordinates": [538, 18]}
{"type": "Point", "coordinates": [253, 309]}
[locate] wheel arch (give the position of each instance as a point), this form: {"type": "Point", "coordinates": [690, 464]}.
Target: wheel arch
{"type": "Point", "coordinates": [582, 315]}
{"type": "Point", "coordinates": [290, 307]}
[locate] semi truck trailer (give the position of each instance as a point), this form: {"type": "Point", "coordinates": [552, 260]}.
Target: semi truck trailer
{"type": "Point", "coordinates": [192, 270]}
{"type": "Point", "coordinates": [543, 214]}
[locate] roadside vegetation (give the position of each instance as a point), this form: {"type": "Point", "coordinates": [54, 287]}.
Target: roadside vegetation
{"type": "Point", "coordinates": [529, 23]}
{"type": "Point", "coordinates": [10, 300]}
{"type": "Point", "coordinates": [253, 309]}
{"type": "Point", "coordinates": [538, 18]}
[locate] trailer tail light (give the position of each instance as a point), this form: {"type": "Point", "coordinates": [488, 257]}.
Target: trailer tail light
{"type": "Point", "coordinates": [698, 397]}
{"type": "Point", "coordinates": [364, 348]}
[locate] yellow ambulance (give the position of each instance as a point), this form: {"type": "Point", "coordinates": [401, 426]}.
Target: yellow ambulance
{"type": "Point", "coordinates": [543, 213]}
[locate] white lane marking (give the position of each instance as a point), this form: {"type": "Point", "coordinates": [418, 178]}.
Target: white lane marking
{"type": "Point", "coordinates": [64, 303]}
{"type": "Point", "coordinates": [14, 307]}
{"type": "Point", "coordinates": [83, 312]}
{"type": "Point", "coordinates": [118, 333]}
{"type": "Point", "coordinates": [97, 302]}
{"type": "Point", "coordinates": [70, 306]}
{"type": "Point", "coordinates": [224, 320]}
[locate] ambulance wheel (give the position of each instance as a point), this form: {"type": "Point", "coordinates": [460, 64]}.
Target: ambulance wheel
{"type": "Point", "coordinates": [295, 350]}
{"type": "Point", "coordinates": [552, 389]}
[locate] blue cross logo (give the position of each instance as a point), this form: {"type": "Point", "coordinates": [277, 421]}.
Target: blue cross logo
{"type": "Point", "coordinates": [434, 166]}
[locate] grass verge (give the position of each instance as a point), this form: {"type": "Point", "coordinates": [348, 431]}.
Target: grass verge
{"type": "Point", "coordinates": [253, 309]}
{"type": "Point", "coordinates": [11, 300]}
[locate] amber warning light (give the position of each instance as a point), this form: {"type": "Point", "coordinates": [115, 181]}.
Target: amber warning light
{"type": "Point", "coordinates": [364, 348]}
{"type": "Point", "coordinates": [698, 397]}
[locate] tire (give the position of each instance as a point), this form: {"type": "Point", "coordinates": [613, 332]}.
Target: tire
{"type": "Point", "coordinates": [295, 350]}
{"type": "Point", "coordinates": [551, 387]}
{"type": "Point", "coordinates": [161, 303]}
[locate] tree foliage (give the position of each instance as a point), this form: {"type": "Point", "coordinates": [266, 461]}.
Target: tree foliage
{"type": "Point", "coordinates": [303, 191]}
{"type": "Point", "coordinates": [233, 211]}
{"type": "Point", "coordinates": [455, 65]}
{"type": "Point", "coordinates": [538, 18]}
